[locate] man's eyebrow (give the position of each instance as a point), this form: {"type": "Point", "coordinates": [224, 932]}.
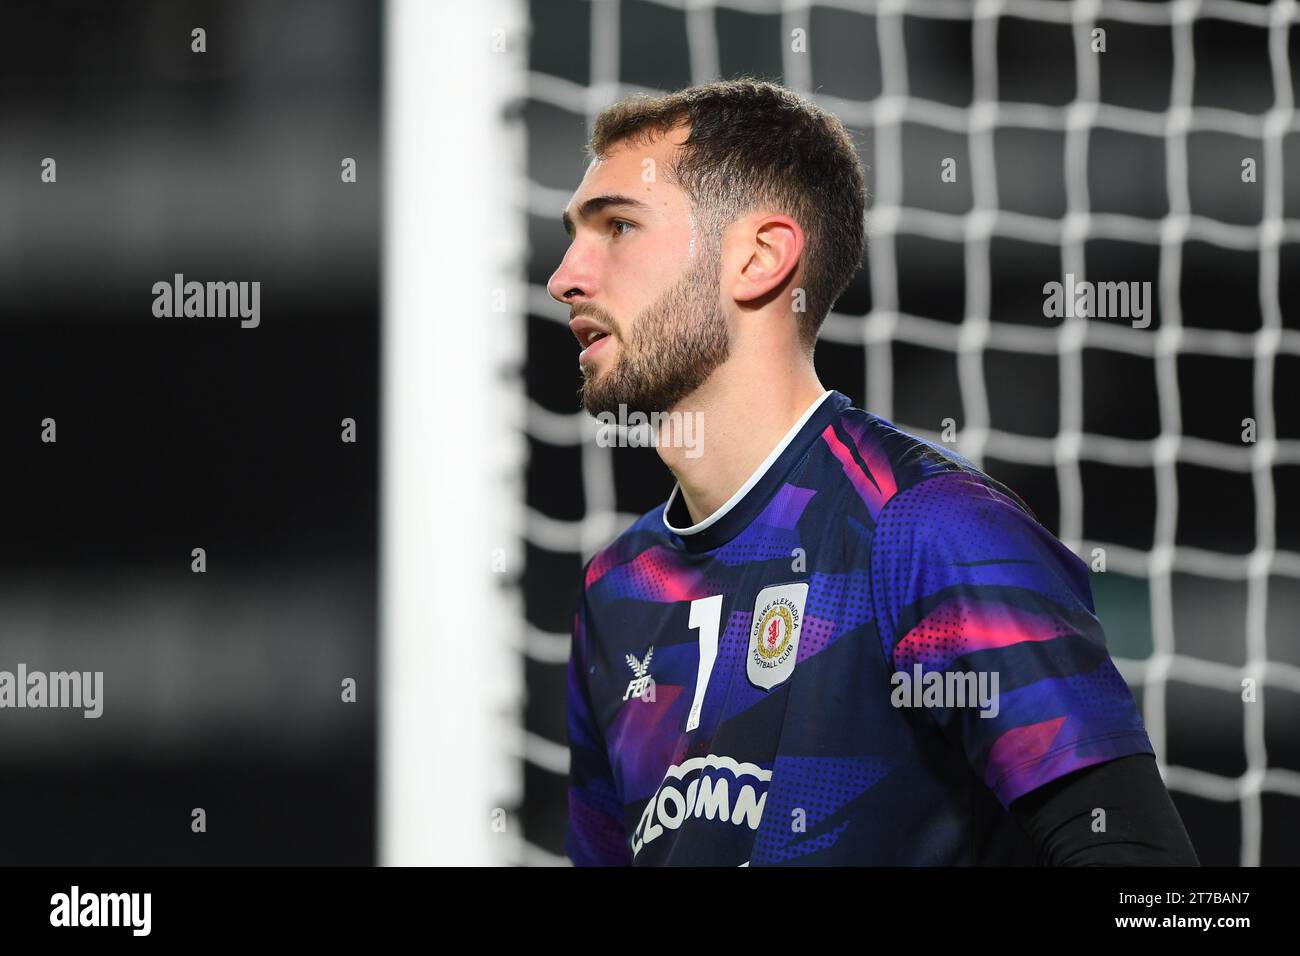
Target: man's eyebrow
{"type": "Point", "coordinates": [595, 204]}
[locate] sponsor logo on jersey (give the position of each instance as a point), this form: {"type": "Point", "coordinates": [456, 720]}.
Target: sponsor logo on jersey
{"type": "Point", "coordinates": [774, 634]}
{"type": "Point", "coordinates": [721, 789]}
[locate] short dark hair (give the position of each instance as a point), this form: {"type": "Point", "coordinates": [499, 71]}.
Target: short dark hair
{"type": "Point", "coordinates": [754, 143]}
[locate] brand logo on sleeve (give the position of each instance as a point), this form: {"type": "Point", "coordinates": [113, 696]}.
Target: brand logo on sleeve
{"type": "Point", "coordinates": [774, 634]}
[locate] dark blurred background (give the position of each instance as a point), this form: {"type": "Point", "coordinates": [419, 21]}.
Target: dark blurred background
{"type": "Point", "coordinates": [222, 689]}
{"type": "Point", "coordinates": [1115, 166]}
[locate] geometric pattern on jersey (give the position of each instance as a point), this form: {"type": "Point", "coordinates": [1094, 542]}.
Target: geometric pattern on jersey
{"type": "Point", "coordinates": [917, 565]}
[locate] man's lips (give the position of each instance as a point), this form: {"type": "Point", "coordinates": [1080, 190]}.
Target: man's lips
{"type": "Point", "coordinates": [589, 352]}
{"type": "Point", "coordinates": [589, 334]}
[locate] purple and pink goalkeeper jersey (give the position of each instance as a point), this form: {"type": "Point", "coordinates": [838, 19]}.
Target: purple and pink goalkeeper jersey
{"type": "Point", "coordinates": [736, 692]}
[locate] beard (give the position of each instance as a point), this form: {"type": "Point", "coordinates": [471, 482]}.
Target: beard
{"type": "Point", "coordinates": [676, 344]}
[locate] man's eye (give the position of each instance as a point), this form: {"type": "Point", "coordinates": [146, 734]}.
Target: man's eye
{"type": "Point", "coordinates": [616, 223]}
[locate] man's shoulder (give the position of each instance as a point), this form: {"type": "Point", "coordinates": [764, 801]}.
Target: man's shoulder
{"type": "Point", "coordinates": [885, 461]}
{"type": "Point", "coordinates": [631, 543]}
{"type": "Point", "coordinates": [880, 460]}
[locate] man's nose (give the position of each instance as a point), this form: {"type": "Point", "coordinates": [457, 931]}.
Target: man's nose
{"type": "Point", "coordinates": [572, 281]}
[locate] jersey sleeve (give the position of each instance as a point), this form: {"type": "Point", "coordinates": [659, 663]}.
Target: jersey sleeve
{"type": "Point", "coordinates": [594, 834]}
{"type": "Point", "coordinates": [967, 581]}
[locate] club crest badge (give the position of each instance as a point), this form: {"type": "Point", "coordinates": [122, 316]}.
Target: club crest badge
{"type": "Point", "coordinates": [774, 634]}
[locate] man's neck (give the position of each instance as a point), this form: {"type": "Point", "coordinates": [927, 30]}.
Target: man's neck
{"type": "Point", "coordinates": [744, 413]}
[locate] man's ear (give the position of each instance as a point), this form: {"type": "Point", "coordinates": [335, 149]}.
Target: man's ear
{"type": "Point", "coordinates": [768, 249]}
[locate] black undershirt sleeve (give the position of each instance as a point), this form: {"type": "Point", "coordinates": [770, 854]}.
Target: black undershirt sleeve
{"type": "Point", "coordinates": [1142, 827]}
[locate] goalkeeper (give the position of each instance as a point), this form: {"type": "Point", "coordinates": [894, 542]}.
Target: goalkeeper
{"type": "Point", "coordinates": [835, 642]}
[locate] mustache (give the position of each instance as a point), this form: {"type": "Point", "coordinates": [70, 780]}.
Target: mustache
{"type": "Point", "coordinates": [597, 313]}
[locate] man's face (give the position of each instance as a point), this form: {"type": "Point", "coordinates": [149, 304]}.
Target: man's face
{"type": "Point", "coordinates": [638, 268]}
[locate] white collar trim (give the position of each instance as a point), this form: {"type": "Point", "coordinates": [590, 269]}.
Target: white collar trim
{"type": "Point", "coordinates": [751, 481]}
